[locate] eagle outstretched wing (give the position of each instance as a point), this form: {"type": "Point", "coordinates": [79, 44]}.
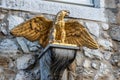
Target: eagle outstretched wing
{"type": "Point", "coordinates": [37, 28]}
{"type": "Point", "coordinates": [77, 34]}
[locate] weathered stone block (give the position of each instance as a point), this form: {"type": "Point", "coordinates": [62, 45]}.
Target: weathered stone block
{"type": "Point", "coordinates": [24, 75]}
{"type": "Point", "coordinates": [2, 16]}
{"type": "Point", "coordinates": [88, 74]}
{"type": "Point", "coordinates": [22, 44]}
{"type": "Point", "coordinates": [14, 21]}
{"type": "Point", "coordinates": [93, 54]}
{"type": "Point", "coordinates": [25, 61]}
{"type": "Point", "coordinates": [6, 74]}
{"type": "Point", "coordinates": [33, 46]}
{"type": "Point", "coordinates": [107, 55]}
{"type": "Point", "coordinates": [4, 62]}
{"type": "Point", "coordinates": [86, 63]}
{"type": "Point", "coordinates": [105, 44]}
{"type": "Point", "coordinates": [79, 58]}
{"type": "Point", "coordinates": [115, 59]}
{"type": "Point", "coordinates": [105, 35]}
{"type": "Point", "coordinates": [104, 72]}
{"type": "Point", "coordinates": [110, 4]}
{"type": "Point", "coordinates": [111, 17]}
{"type": "Point", "coordinates": [115, 33]}
{"type": "Point", "coordinates": [105, 26]}
{"type": "Point", "coordinates": [36, 73]}
{"type": "Point", "coordinates": [8, 45]}
{"type": "Point", "coordinates": [118, 5]}
{"type": "Point", "coordinates": [95, 65]}
{"type": "Point", "coordinates": [117, 73]}
{"type": "Point", "coordinates": [93, 28]}
{"type": "Point", "coordinates": [118, 17]}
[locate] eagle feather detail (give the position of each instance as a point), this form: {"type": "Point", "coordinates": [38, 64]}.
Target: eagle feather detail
{"type": "Point", "coordinates": [38, 29]}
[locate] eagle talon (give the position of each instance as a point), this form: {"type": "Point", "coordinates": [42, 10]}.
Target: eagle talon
{"type": "Point", "coordinates": [58, 41]}
{"type": "Point", "coordinates": [53, 41]}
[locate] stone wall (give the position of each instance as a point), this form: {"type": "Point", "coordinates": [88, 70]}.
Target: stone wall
{"type": "Point", "coordinates": [18, 56]}
{"type": "Point", "coordinates": [113, 14]}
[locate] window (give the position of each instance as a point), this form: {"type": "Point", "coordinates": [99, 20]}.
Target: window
{"type": "Point", "coordinates": [92, 3]}
{"type": "Point", "coordinates": [95, 12]}
{"type": "Point", "coordinates": [81, 2]}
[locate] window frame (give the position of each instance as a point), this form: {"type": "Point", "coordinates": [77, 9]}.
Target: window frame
{"type": "Point", "coordinates": [47, 7]}
{"type": "Point", "coordinates": [90, 3]}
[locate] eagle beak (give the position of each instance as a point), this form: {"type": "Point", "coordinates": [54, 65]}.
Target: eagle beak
{"type": "Point", "coordinates": [67, 13]}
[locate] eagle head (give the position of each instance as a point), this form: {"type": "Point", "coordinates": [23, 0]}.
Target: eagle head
{"type": "Point", "coordinates": [65, 12]}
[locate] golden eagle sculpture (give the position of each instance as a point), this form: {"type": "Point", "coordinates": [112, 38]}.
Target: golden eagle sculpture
{"type": "Point", "coordinates": [57, 31]}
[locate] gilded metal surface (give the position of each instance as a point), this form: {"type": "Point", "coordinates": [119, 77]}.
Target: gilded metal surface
{"type": "Point", "coordinates": [58, 31]}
